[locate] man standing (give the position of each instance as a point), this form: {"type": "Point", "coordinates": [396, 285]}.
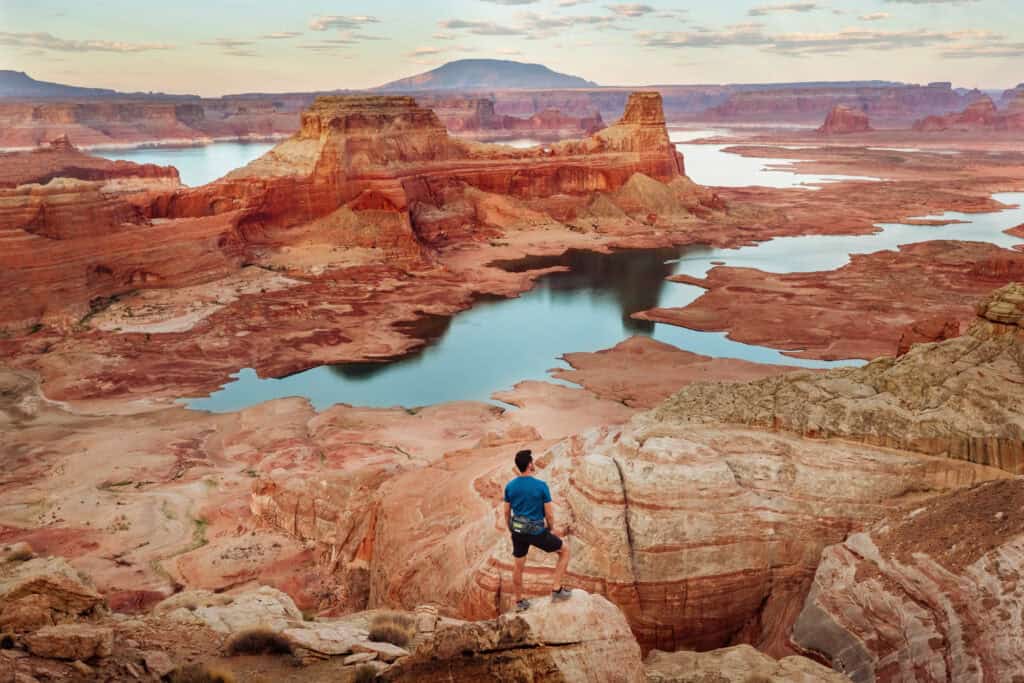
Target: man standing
{"type": "Point", "coordinates": [530, 518]}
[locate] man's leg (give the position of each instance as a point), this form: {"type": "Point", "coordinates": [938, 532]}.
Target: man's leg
{"type": "Point", "coordinates": [563, 563]}
{"type": "Point", "coordinates": [517, 579]}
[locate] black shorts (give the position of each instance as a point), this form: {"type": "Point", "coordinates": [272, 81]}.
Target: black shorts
{"type": "Point", "coordinates": [545, 540]}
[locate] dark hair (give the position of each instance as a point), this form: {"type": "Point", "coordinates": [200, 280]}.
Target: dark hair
{"type": "Point", "coordinates": [523, 459]}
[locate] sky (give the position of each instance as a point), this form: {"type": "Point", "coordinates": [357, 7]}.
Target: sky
{"type": "Point", "coordinates": [215, 47]}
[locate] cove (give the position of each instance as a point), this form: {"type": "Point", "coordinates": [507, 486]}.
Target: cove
{"type": "Point", "coordinates": [196, 165]}
{"type": "Point", "coordinates": [498, 343]}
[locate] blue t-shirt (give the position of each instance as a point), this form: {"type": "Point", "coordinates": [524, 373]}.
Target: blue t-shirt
{"type": "Point", "coordinates": [527, 496]}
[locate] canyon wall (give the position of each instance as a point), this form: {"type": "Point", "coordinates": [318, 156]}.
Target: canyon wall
{"type": "Point", "coordinates": [980, 115]}
{"type": "Point", "coordinates": [843, 119]}
{"type": "Point", "coordinates": [120, 122]}
{"type": "Point", "coordinates": [891, 104]}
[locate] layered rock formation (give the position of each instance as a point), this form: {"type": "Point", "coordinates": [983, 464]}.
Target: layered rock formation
{"type": "Point", "coordinates": [843, 119]}
{"type": "Point", "coordinates": [119, 122]}
{"type": "Point", "coordinates": [980, 115]}
{"type": "Point", "coordinates": [930, 595]}
{"type": "Point", "coordinates": [377, 173]}
{"type": "Point", "coordinates": [959, 398]}
{"type": "Point", "coordinates": [891, 103]}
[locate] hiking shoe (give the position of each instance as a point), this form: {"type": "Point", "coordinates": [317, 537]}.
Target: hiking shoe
{"type": "Point", "coordinates": [562, 593]}
{"type": "Point", "coordinates": [522, 605]}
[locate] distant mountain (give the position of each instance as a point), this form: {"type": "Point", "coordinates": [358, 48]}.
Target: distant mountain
{"type": "Point", "coordinates": [488, 74]}
{"type": "Point", "coordinates": [20, 84]}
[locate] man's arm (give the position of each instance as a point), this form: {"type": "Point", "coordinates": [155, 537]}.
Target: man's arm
{"type": "Point", "coordinates": [549, 516]}
{"type": "Point", "coordinates": [507, 516]}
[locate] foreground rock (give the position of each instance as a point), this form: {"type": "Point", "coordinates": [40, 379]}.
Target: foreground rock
{"type": "Point", "coordinates": [843, 119]}
{"type": "Point", "coordinates": [739, 664]}
{"type": "Point", "coordinates": [960, 398]}
{"type": "Point", "coordinates": [931, 595]}
{"type": "Point", "coordinates": [583, 639]}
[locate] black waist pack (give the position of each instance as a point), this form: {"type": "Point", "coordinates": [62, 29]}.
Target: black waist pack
{"type": "Point", "coordinates": [525, 525]}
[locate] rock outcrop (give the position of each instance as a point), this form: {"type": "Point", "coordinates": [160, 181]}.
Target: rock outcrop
{"type": "Point", "coordinates": [930, 595]}
{"type": "Point", "coordinates": [371, 173]}
{"type": "Point", "coordinates": [959, 398]}
{"type": "Point", "coordinates": [582, 639]}
{"type": "Point", "coordinates": [980, 115]}
{"type": "Point", "coordinates": [738, 664]}
{"type": "Point", "coordinates": [843, 119]}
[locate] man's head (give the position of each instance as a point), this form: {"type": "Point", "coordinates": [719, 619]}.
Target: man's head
{"type": "Point", "coordinates": [524, 461]}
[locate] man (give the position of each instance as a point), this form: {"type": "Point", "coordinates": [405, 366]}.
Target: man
{"type": "Point", "coordinates": [530, 519]}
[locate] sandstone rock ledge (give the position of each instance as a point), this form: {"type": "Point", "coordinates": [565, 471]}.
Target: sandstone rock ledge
{"type": "Point", "coordinates": [584, 639]}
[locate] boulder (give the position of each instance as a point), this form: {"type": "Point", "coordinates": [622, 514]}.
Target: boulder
{"type": "Point", "coordinates": [930, 595]}
{"type": "Point", "coordinates": [584, 639]}
{"type": "Point", "coordinates": [43, 590]}
{"type": "Point", "coordinates": [264, 607]}
{"type": "Point", "coordinates": [738, 664]}
{"type": "Point", "coordinates": [71, 642]}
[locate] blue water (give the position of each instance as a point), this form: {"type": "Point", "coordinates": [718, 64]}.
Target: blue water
{"type": "Point", "coordinates": [196, 165]}
{"type": "Point", "coordinates": [498, 343]}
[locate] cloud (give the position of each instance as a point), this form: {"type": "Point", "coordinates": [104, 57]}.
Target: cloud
{"type": "Point", "coordinates": [281, 35]}
{"type": "Point", "coordinates": [480, 28]}
{"type": "Point", "coordinates": [512, 2]}
{"type": "Point", "coordinates": [443, 36]}
{"type": "Point", "coordinates": [323, 23]}
{"type": "Point", "coordinates": [795, 44]}
{"type": "Point", "coordinates": [765, 10]}
{"type": "Point", "coordinates": [930, 2]}
{"type": "Point", "coordinates": [426, 51]}
{"type": "Point", "coordinates": [630, 10]}
{"type": "Point", "coordinates": [874, 16]}
{"type": "Point", "coordinates": [50, 42]}
{"type": "Point", "coordinates": [572, 3]}
{"type": "Point", "coordinates": [986, 51]}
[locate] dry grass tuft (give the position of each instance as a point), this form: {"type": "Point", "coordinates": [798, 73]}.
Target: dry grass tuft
{"type": "Point", "coordinates": [392, 627]}
{"type": "Point", "coordinates": [200, 673]}
{"type": "Point", "coordinates": [365, 673]}
{"type": "Point", "coordinates": [258, 641]}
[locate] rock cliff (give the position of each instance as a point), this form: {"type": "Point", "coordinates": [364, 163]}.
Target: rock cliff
{"type": "Point", "coordinates": [843, 119]}
{"type": "Point", "coordinates": [979, 115]}
{"type": "Point", "coordinates": [929, 595]}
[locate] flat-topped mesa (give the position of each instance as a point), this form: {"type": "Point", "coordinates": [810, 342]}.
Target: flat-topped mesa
{"type": "Point", "coordinates": [844, 119]}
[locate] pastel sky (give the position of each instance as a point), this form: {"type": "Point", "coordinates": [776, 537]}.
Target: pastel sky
{"type": "Point", "coordinates": [213, 47]}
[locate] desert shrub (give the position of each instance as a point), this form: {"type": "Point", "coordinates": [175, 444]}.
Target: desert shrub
{"type": "Point", "coordinates": [258, 641]}
{"type": "Point", "coordinates": [200, 673]}
{"type": "Point", "coordinates": [757, 678]}
{"type": "Point", "coordinates": [365, 673]}
{"type": "Point", "coordinates": [392, 627]}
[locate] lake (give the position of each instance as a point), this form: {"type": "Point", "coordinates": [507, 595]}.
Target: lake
{"type": "Point", "coordinates": [585, 309]}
